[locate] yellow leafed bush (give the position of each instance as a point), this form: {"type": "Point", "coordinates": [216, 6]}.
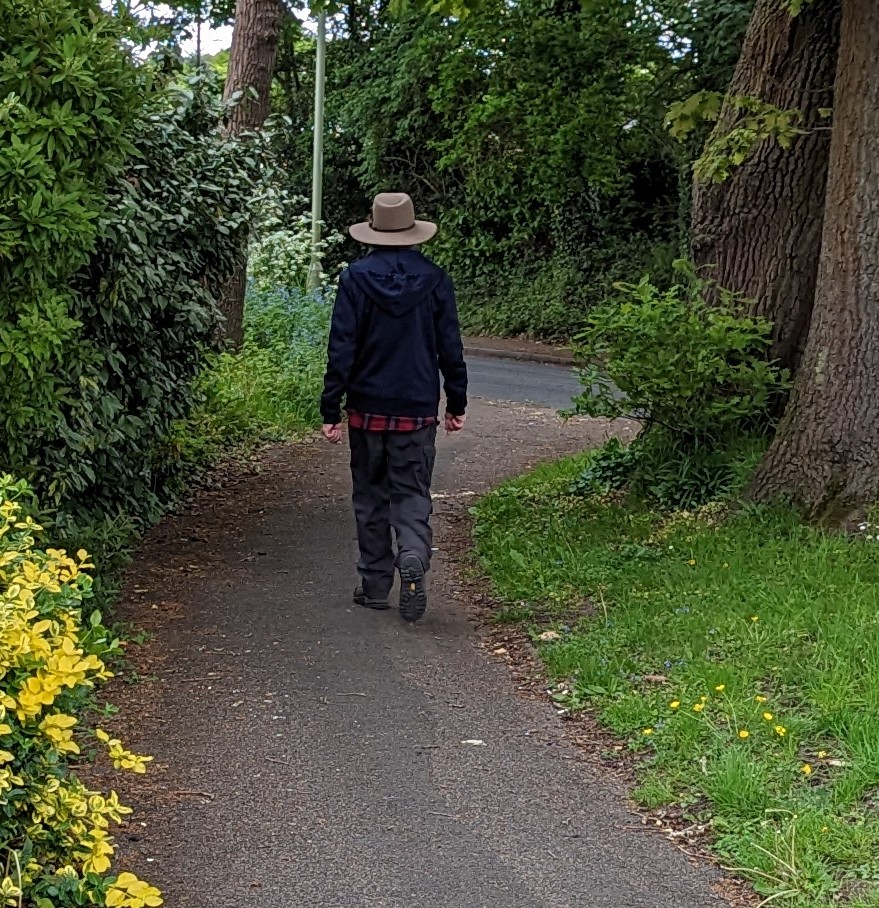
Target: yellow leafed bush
{"type": "Point", "coordinates": [56, 846]}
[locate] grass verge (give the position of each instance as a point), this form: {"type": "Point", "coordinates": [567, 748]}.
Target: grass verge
{"type": "Point", "coordinates": [268, 391]}
{"type": "Point", "coordinates": [736, 653]}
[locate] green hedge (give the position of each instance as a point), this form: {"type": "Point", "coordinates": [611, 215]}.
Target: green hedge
{"type": "Point", "coordinates": [121, 209]}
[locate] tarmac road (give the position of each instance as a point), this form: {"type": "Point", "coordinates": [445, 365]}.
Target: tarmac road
{"type": "Point", "coordinates": [311, 753]}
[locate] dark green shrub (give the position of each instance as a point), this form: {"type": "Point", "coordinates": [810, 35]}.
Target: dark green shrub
{"type": "Point", "coordinates": [697, 376]}
{"type": "Point", "coordinates": [610, 468]}
{"type": "Point", "coordinates": [140, 311]}
{"type": "Point", "coordinates": [663, 468]}
{"type": "Point", "coordinates": [68, 97]}
{"type": "Point", "coordinates": [692, 367]}
{"type": "Point", "coordinates": [170, 237]}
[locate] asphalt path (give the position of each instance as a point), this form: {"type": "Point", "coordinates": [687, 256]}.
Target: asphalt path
{"type": "Point", "coordinates": [312, 753]}
{"type": "Point", "coordinates": [509, 380]}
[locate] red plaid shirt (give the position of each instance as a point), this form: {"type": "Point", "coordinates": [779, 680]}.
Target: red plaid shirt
{"type": "Point", "coordinates": [373, 423]}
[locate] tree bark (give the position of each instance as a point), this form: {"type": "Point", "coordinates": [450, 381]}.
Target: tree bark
{"type": "Point", "coordinates": [758, 233]}
{"type": "Point", "coordinates": [251, 68]}
{"type": "Point", "coordinates": [252, 61]}
{"type": "Point", "coordinates": [825, 456]}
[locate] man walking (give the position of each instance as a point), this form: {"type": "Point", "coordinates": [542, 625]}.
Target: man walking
{"type": "Point", "coordinates": [394, 329]}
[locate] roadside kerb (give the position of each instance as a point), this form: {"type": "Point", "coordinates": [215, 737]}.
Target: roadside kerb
{"type": "Point", "coordinates": [556, 358]}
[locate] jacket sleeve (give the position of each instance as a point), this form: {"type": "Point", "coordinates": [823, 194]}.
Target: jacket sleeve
{"type": "Point", "coordinates": [341, 352]}
{"type": "Point", "coordinates": [450, 349]}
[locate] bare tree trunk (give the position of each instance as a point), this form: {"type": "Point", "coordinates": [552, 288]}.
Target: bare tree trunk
{"type": "Point", "coordinates": [252, 61]}
{"type": "Point", "coordinates": [759, 232]}
{"type": "Point", "coordinates": [251, 68]}
{"type": "Point", "coordinates": [826, 453]}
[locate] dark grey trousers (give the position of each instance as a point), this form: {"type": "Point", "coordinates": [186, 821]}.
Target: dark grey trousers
{"type": "Point", "coordinates": [391, 472]}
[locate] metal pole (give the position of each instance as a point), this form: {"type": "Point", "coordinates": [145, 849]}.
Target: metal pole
{"type": "Point", "coordinates": [314, 271]}
{"type": "Point", "coordinates": [198, 40]}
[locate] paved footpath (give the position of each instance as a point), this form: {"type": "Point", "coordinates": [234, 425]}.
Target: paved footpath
{"type": "Point", "coordinates": [309, 753]}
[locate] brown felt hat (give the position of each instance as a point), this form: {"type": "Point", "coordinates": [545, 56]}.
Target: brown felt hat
{"type": "Point", "coordinates": [393, 223]}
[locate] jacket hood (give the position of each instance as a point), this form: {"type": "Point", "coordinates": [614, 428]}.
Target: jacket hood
{"type": "Point", "coordinates": [396, 280]}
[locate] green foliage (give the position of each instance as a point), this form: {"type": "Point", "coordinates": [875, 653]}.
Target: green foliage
{"type": "Point", "coordinates": [67, 99]}
{"type": "Point", "coordinates": [685, 116]}
{"type": "Point", "coordinates": [750, 123]}
{"type": "Point", "coordinates": [141, 312]}
{"type": "Point", "coordinates": [720, 649]}
{"type": "Point", "coordinates": [532, 132]}
{"type": "Point", "coordinates": [267, 391]}
{"type": "Point", "coordinates": [609, 469]}
{"type": "Point", "coordinates": [270, 388]}
{"type": "Point", "coordinates": [161, 27]}
{"type": "Point", "coordinates": [695, 373]}
{"type": "Point", "coordinates": [695, 368]}
{"type": "Point", "coordinates": [673, 471]}
{"type": "Point", "coordinates": [57, 848]}
{"type": "Point", "coordinates": [552, 299]}
{"type": "Point", "coordinates": [281, 250]}
{"type": "Point", "coordinates": [708, 36]}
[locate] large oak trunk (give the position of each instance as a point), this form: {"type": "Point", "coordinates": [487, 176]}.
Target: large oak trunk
{"type": "Point", "coordinates": [759, 232]}
{"type": "Point", "coordinates": [826, 453]}
{"type": "Point", "coordinates": [251, 68]}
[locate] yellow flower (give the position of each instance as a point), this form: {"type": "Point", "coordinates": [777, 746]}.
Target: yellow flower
{"type": "Point", "coordinates": [720, 688]}
{"type": "Point", "coordinates": [725, 566]}
{"type": "Point", "coordinates": [824, 829]}
{"type": "Point", "coordinates": [692, 562]}
{"type": "Point", "coordinates": [780, 730]}
{"type": "Point", "coordinates": [675, 704]}
{"type": "Point", "coordinates": [744, 733]}
{"type": "Point", "coordinates": [768, 717]}
{"type": "Point", "coordinates": [754, 618]}
{"type": "Point", "coordinates": [806, 769]}
{"type": "Point", "coordinates": [760, 699]}
{"type": "Point", "coordinates": [648, 731]}
{"type": "Point", "coordinates": [822, 754]}
{"type": "Point", "coordinates": [704, 699]}
{"type": "Point", "coordinates": [698, 707]}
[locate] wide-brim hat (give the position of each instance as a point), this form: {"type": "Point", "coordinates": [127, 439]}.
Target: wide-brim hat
{"type": "Point", "coordinates": [393, 223]}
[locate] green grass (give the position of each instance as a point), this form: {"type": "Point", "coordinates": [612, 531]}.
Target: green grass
{"type": "Point", "coordinates": [737, 654]}
{"type": "Point", "coordinates": [271, 388]}
{"type": "Point", "coordinates": [267, 391]}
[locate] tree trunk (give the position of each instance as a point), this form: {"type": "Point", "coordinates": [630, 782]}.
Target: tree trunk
{"type": "Point", "coordinates": [252, 61]}
{"type": "Point", "coordinates": [758, 233]}
{"type": "Point", "coordinates": [826, 453]}
{"type": "Point", "coordinates": [251, 68]}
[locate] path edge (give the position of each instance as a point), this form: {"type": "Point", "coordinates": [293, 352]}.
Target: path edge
{"type": "Point", "coordinates": [558, 356]}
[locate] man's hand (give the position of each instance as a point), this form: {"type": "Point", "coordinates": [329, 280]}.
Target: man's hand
{"type": "Point", "coordinates": [332, 432]}
{"type": "Point", "coordinates": [454, 423]}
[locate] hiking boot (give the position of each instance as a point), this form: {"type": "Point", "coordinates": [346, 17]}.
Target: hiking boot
{"type": "Point", "coordinates": [360, 598]}
{"type": "Point", "coordinates": [413, 596]}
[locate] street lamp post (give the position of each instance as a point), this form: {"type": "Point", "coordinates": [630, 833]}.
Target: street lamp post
{"type": "Point", "coordinates": [314, 271]}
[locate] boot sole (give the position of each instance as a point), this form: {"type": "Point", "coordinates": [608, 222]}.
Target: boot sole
{"type": "Point", "coordinates": [413, 596]}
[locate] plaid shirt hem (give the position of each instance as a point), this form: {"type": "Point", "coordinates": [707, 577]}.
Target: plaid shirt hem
{"type": "Point", "coordinates": [371, 422]}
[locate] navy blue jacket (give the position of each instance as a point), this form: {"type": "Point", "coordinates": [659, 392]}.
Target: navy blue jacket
{"type": "Point", "coordinates": [395, 328]}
